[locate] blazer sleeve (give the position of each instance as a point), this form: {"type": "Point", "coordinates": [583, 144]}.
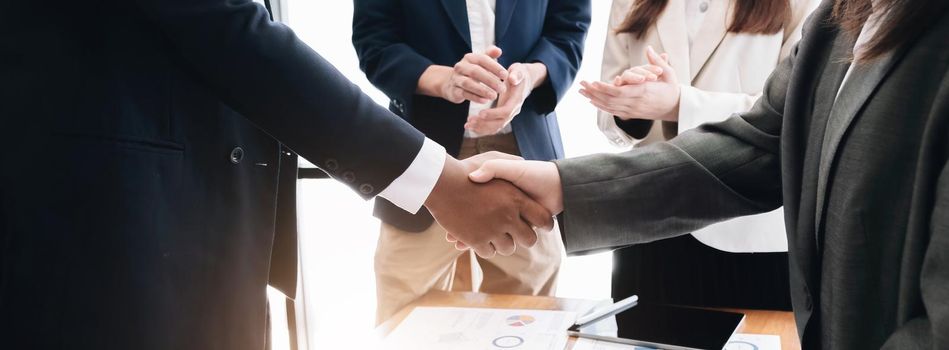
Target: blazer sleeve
{"type": "Point", "coordinates": [390, 64]}
{"type": "Point", "coordinates": [706, 175]}
{"type": "Point", "coordinates": [560, 48]}
{"type": "Point", "coordinates": [264, 72]}
{"type": "Point", "coordinates": [619, 132]}
{"type": "Point", "coordinates": [697, 106]}
{"type": "Point", "coordinates": [930, 329]}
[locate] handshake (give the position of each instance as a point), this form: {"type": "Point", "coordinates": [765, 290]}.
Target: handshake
{"type": "Point", "coordinates": [493, 202]}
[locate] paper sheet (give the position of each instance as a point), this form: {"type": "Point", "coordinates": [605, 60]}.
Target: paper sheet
{"type": "Point", "coordinates": [753, 342]}
{"type": "Point", "coordinates": [478, 329]}
{"type": "Point", "coordinates": [737, 342]}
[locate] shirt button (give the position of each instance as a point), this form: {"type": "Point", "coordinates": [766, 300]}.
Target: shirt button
{"type": "Point", "coordinates": [349, 176]}
{"type": "Point", "coordinates": [366, 188]}
{"type": "Point", "coordinates": [236, 155]}
{"type": "Point", "coordinates": [331, 164]}
{"type": "Point", "coordinates": [703, 7]}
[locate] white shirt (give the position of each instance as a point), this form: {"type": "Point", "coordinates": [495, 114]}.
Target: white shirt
{"type": "Point", "coordinates": [481, 14]}
{"type": "Point", "coordinates": [409, 190]}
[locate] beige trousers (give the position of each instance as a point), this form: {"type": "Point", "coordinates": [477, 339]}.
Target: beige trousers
{"type": "Point", "coordinates": [409, 264]}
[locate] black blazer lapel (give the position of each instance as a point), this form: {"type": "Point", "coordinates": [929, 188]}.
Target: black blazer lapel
{"type": "Point", "coordinates": [854, 94]}
{"type": "Point", "coordinates": [502, 17]}
{"type": "Point", "coordinates": [458, 13]}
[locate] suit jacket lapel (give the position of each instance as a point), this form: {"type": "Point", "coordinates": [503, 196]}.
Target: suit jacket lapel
{"type": "Point", "coordinates": [854, 94]}
{"type": "Point", "coordinates": [709, 36]}
{"type": "Point", "coordinates": [670, 27]}
{"type": "Point", "coordinates": [458, 13]}
{"type": "Point", "coordinates": [827, 84]}
{"type": "Point", "coordinates": [503, 12]}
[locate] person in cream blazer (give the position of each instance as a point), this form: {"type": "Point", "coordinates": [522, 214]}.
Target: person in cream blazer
{"type": "Point", "coordinates": [716, 72]}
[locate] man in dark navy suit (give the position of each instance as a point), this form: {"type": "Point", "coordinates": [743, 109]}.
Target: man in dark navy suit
{"type": "Point", "coordinates": [474, 76]}
{"type": "Point", "coordinates": [144, 143]}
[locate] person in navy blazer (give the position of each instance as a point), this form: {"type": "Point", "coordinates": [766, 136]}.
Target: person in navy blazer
{"type": "Point", "coordinates": [434, 59]}
{"type": "Point", "coordinates": [147, 150]}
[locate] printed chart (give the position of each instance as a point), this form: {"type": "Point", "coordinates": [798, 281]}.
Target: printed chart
{"type": "Point", "coordinates": [478, 329]}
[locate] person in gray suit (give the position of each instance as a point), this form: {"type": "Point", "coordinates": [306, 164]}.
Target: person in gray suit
{"type": "Point", "coordinates": [851, 136]}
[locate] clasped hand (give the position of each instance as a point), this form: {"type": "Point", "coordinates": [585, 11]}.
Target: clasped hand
{"type": "Point", "coordinates": [529, 194]}
{"type": "Point", "coordinates": [490, 217]}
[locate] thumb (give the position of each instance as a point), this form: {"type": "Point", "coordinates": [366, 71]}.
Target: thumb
{"type": "Point", "coordinates": [481, 158]}
{"type": "Point", "coordinates": [509, 170]}
{"type": "Point", "coordinates": [516, 75]}
{"type": "Point", "coordinates": [493, 52]}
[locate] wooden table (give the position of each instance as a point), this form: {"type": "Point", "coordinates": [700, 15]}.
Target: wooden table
{"type": "Point", "coordinates": [756, 321]}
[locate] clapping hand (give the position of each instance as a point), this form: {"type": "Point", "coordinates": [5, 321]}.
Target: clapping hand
{"type": "Point", "coordinates": [478, 77]}
{"type": "Point", "coordinates": [522, 79]}
{"type": "Point", "coordinates": [645, 92]}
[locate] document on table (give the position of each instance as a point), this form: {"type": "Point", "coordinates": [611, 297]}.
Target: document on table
{"type": "Point", "coordinates": [478, 329]}
{"type": "Point", "coordinates": [753, 342]}
{"type": "Point", "coordinates": [737, 342]}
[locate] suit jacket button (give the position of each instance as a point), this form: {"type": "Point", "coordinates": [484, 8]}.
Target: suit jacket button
{"type": "Point", "coordinates": [366, 188]}
{"type": "Point", "coordinates": [349, 176]}
{"type": "Point", "coordinates": [331, 164]}
{"type": "Point", "coordinates": [236, 155]}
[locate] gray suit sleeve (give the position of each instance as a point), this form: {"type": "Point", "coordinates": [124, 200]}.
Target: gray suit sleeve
{"type": "Point", "coordinates": [930, 329]}
{"type": "Point", "coordinates": [706, 175]}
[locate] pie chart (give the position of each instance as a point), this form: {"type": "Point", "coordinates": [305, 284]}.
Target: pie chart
{"type": "Point", "coordinates": [520, 320]}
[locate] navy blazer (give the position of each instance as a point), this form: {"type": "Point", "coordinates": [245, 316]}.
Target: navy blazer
{"type": "Point", "coordinates": [142, 156]}
{"type": "Point", "coordinates": [396, 40]}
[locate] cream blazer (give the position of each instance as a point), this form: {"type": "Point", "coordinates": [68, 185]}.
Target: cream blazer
{"type": "Point", "coordinates": [722, 74]}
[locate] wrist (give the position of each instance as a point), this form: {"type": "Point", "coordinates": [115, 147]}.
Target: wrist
{"type": "Point", "coordinates": [433, 80]}
{"type": "Point", "coordinates": [555, 204]}
{"type": "Point", "coordinates": [538, 74]}
{"type": "Point", "coordinates": [452, 170]}
{"type": "Point", "coordinates": [673, 114]}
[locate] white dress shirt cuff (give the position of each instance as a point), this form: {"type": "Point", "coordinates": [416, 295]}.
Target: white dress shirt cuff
{"type": "Point", "coordinates": [410, 190]}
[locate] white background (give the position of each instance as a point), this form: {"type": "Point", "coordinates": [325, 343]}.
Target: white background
{"type": "Point", "coordinates": [337, 231]}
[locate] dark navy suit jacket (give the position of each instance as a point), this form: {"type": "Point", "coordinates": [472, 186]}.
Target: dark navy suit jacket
{"type": "Point", "coordinates": [396, 40]}
{"type": "Point", "coordinates": [143, 144]}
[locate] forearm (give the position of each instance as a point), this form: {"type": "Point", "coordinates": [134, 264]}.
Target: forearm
{"type": "Point", "coordinates": [291, 93]}
{"type": "Point", "coordinates": [683, 180]}
{"type": "Point", "coordinates": [432, 81]}
{"type": "Point", "coordinates": [390, 64]}
{"type": "Point", "coordinates": [560, 48]}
